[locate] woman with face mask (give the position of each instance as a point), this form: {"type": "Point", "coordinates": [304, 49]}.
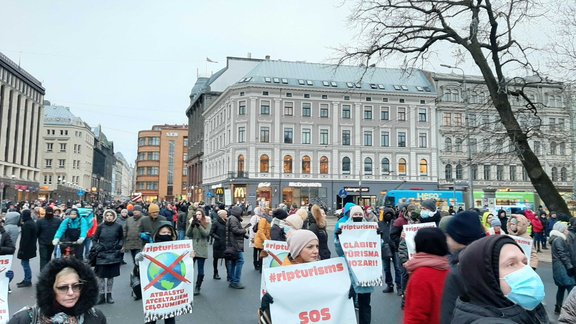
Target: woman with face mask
{"type": "Point", "coordinates": [499, 285]}
{"type": "Point", "coordinates": [562, 268]}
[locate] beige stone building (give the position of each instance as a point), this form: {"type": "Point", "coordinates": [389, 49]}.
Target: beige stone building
{"type": "Point", "coordinates": [161, 174]}
{"type": "Point", "coordinates": [67, 146]}
{"type": "Point", "coordinates": [21, 97]}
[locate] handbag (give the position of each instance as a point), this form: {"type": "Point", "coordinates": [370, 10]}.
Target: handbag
{"type": "Point", "coordinates": [230, 253]}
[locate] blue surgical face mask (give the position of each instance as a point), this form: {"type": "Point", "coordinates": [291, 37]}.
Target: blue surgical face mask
{"type": "Point", "coordinates": [527, 289]}
{"type": "Point", "coordinates": [425, 213]}
{"type": "Point", "coordinates": [286, 229]}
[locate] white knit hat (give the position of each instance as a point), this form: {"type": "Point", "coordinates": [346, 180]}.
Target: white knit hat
{"type": "Point", "coordinates": [298, 239]}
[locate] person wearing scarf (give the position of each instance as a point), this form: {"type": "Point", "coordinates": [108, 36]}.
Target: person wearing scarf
{"type": "Point", "coordinates": [428, 270]}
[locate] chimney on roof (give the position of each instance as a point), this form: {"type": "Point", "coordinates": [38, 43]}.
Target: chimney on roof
{"type": "Point", "coordinates": [267, 57]}
{"type": "Point", "coordinates": [249, 55]}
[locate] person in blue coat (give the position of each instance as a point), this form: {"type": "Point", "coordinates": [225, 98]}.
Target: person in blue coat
{"type": "Point", "coordinates": [355, 213]}
{"type": "Point", "coordinates": [72, 229]}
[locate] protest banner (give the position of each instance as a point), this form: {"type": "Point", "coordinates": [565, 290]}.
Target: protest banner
{"type": "Point", "coordinates": [306, 293]}
{"type": "Point", "coordinates": [363, 251]}
{"type": "Point", "coordinates": [167, 277]}
{"type": "Point", "coordinates": [525, 245]}
{"type": "Point", "coordinates": [277, 251]}
{"type": "Point", "coordinates": [5, 266]}
{"type": "Point", "coordinates": [409, 234]}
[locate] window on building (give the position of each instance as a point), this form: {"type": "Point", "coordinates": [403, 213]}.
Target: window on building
{"type": "Point", "coordinates": [346, 165]}
{"type": "Point", "coordinates": [459, 172]}
{"type": "Point", "coordinates": [346, 111]}
{"type": "Point", "coordinates": [240, 163]}
{"type": "Point", "coordinates": [367, 138]}
{"type": "Point", "coordinates": [537, 148]}
{"type": "Point", "coordinates": [512, 173]}
{"type": "Point", "coordinates": [265, 135]}
{"type": "Point", "coordinates": [554, 174]}
{"type": "Point", "coordinates": [500, 172]}
{"type": "Point", "coordinates": [447, 119]}
{"type": "Point", "coordinates": [560, 125]}
{"type": "Point", "coordinates": [241, 134]}
{"type": "Point", "coordinates": [154, 141]}
{"type": "Point", "coordinates": [448, 144]}
{"type": "Point", "coordinates": [265, 108]}
{"type": "Point", "coordinates": [402, 167]}
{"type": "Point", "coordinates": [323, 137]}
{"type": "Point", "coordinates": [288, 135]}
{"type": "Point", "coordinates": [457, 119]}
{"type": "Point", "coordinates": [401, 139]}
{"type": "Point", "coordinates": [306, 109]}
{"type": "Point", "coordinates": [48, 163]}
{"type": "Point", "coordinates": [242, 108]}
{"type": "Point", "coordinates": [401, 114]}
{"type": "Point", "coordinates": [288, 108]}
{"type": "Point", "coordinates": [472, 120]}
{"type": "Point", "coordinates": [486, 144]}
{"type": "Point", "coordinates": [287, 164]}
{"type": "Point", "coordinates": [323, 111]}
{"type": "Point", "coordinates": [306, 136]}
{"type": "Point", "coordinates": [49, 147]}
{"type": "Point", "coordinates": [562, 149]}
{"type": "Point", "coordinates": [305, 164]}
{"type": "Point", "coordinates": [422, 116]}
{"type": "Point", "coordinates": [458, 145]}
{"type": "Point", "coordinates": [368, 112]}
{"type": "Point", "coordinates": [384, 113]}
{"type": "Point", "coordinates": [345, 137]}
{"type": "Point", "coordinates": [474, 172]}
{"type": "Point", "coordinates": [62, 147]}
{"type": "Point", "coordinates": [385, 139]}
{"type": "Point", "coordinates": [368, 166]}
{"type": "Point", "coordinates": [564, 174]}
{"type": "Point", "coordinates": [323, 165]}
{"type": "Point", "coordinates": [423, 167]}
{"type": "Point", "coordinates": [61, 163]}
{"type": "Point", "coordinates": [448, 172]}
{"type": "Point", "coordinates": [486, 172]}
{"type": "Point", "coordinates": [385, 166]}
{"type": "Point", "coordinates": [422, 140]}
{"type": "Point", "coordinates": [264, 163]}
{"type": "Point", "coordinates": [525, 175]}
{"type": "Point", "coordinates": [552, 148]}
{"type": "Point", "coordinates": [473, 146]}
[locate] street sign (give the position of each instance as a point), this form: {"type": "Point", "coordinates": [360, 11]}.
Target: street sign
{"type": "Point", "coordinates": [342, 193]}
{"type": "Point", "coordinates": [210, 194]}
{"type": "Point", "coordinates": [80, 193]}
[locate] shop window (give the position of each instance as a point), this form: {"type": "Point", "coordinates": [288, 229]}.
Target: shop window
{"type": "Point", "coordinates": [264, 163]}
{"type": "Point", "coordinates": [402, 168]}
{"type": "Point", "coordinates": [287, 164]}
{"type": "Point", "coordinates": [323, 165]}
{"type": "Point", "coordinates": [423, 167]}
{"type": "Point", "coordinates": [240, 163]}
{"type": "Point", "coordinates": [367, 165]}
{"type": "Point", "coordinates": [346, 165]}
{"type": "Point", "coordinates": [306, 164]}
{"type": "Point", "coordinates": [385, 166]}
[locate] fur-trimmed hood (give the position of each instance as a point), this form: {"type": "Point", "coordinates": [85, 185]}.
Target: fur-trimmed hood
{"type": "Point", "coordinates": [45, 296]}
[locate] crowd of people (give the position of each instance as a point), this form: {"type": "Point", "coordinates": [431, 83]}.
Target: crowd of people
{"type": "Point", "coordinates": [466, 268]}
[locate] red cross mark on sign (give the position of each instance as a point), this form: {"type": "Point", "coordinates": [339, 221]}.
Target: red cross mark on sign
{"type": "Point", "coordinates": [167, 269]}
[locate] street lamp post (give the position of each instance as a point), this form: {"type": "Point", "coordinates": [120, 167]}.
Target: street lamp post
{"type": "Point", "coordinates": [467, 127]}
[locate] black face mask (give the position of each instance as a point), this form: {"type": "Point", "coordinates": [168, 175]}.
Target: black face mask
{"type": "Point", "coordinates": [163, 238]}
{"type": "Point", "coordinates": [357, 219]}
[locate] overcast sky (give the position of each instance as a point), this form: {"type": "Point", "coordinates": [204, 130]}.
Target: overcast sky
{"type": "Point", "coordinates": [130, 64]}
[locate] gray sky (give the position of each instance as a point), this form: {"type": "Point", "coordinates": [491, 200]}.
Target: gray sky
{"type": "Point", "coordinates": [130, 64]}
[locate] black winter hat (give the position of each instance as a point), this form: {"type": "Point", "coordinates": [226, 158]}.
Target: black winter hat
{"type": "Point", "coordinates": [236, 211]}
{"type": "Point", "coordinates": [465, 227]}
{"type": "Point", "coordinates": [431, 240]}
{"type": "Point", "coordinates": [279, 213]}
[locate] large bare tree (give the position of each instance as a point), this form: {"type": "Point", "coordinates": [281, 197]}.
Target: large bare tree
{"type": "Point", "coordinates": [485, 30]}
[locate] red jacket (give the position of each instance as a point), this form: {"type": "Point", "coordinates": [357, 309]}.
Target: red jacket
{"type": "Point", "coordinates": [424, 296]}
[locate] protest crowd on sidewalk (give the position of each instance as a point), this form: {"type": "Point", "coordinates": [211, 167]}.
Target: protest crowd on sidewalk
{"type": "Point", "coordinates": [465, 266]}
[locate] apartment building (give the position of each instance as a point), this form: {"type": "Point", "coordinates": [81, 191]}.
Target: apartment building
{"type": "Point", "coordinates": [161, 173]}
{"type": "Point", "coordinates": [299, 133]}
{"type": "Point", "coordinates": [122, 183]}
{"type": "Point", "coordinates": [67, 147]}
{"type": "Point", "coordinates": [21, 97]}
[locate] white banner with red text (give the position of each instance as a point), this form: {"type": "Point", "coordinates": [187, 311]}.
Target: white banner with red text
{"type": "Point", "coordinates": [410, 233]}
{"type": "Point", "coordinates": [167, 278]}
{"type": "Point", "coordinates": [314, 292]}
{"type": "Point", "coordinates": [525, 245]}
{"type": "Point", "coordinates": [363, 251]}
{"type": "Point", "coordinates": [5, 266]}
{"type": "Point", "coordinates": [277, 252]}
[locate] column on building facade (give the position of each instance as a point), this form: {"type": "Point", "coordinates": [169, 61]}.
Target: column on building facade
{"type": "Point", "coordinates": [336, 141]}
{"type": "Point", "coordinates": [252, 161]}
{"type": "Point", "coordinates": [19, 140]}
{"type": "Point", "coordinates": [28, 117]}
{"type": "Point", "coordinates": [36, 135]}
{"type": "Point", "coordinates": [11, 130]}
{"type": "Point", "coordinates": [4, 106]}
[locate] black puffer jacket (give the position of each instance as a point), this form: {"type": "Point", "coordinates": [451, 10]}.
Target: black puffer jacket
{"type": "Point", "coordinates": [322, 236]}
{"type": "Point", "coordinates": [108, 242]}
{"type": "Point", "coordinates": [218, 232]}
{"type": "Point", "coordinates": [27, 248]}
{"type": "Point", "coordinates": [46, 228]}
{"type": "Point", "coordinates": [236, 231]}
{"type": "Point", "coordinates": [45, 296]}
{"type": "Point", "coordinates": [6, 244]}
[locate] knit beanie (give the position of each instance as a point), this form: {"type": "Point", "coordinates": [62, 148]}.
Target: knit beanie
{"type": "Point", "coordinates": [356, 209]}
{"type": "Point", "coordinates": [465, 227]}
{"type": "Point", "coordinates": [295, 221]}
{"type": "Point", "coordinates": [153, 208]}
{"type": "Point", "coordinates": [279, 213]}
{"type": "Point", "coordinates": [429, 204]}
{"type": "Point", "coordinates": [236, 211]}
{"type": "Point", "coordinates": [222, 213]}
{"type": "Point", "coordinates": [444, 222]}
{"type": "Point", "coordinates": [560, 227]}
{"type": "Point", "coordinates": [298, 240]}
{"type": "Point", "coordinates": [137, 208]}
{"type": "Point", "coordinates": [431, 240]}
{"type": "Point", "coordinates": [496, 222]}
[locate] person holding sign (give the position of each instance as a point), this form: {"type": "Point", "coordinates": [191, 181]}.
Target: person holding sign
{"type": "Point", "coordinates": [518, 226]}
{"type": "Point", "coordinates": [66, 293]}
{"type": "Point", "coordinates": [428, 270]}
{"type": "Point", "coordinates": [198, 231]}
{"type": "Point", "coordinates": [355, 214]}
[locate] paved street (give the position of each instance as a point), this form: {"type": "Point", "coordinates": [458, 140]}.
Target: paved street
{"type": "Point", "coordinates": [220, 304]}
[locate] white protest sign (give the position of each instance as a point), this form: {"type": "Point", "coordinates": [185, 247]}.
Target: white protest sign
{"type": "Point", "coordinates": [5, 266]}
{"type": "Point", "coordinates": [410, 233]}
{"type": "Point", "coordinates": [167, 277]}
{"type": "Point", "coordinates": [307, 293]}
{"type": "Point", "coordinates": [277, 251]}
{"type": "Point", "coordinates": [362, 248]}
{"type": "Point", "coordinates": [525, 245]}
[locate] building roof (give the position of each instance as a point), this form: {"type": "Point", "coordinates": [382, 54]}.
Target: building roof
{"type": "Point", "coordinates": [16, 69]}
{"type": "Point", "coordinates": [331, 76]}
{"type": "Point", "coordinates": [61, 115]}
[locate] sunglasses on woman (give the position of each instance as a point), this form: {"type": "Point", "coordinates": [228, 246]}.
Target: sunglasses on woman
{"type": "Point", "coordinates": [76, 287]}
